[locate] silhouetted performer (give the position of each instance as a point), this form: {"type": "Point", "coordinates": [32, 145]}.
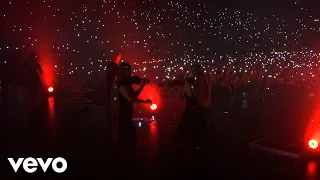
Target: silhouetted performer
{"type": "Point", "coordinates": [124, 131]}
{"type": "Point", "coordinates": [33, 70]}
{"type": "Point", "coordinates": [196, 92]}
{"type": "Point", "coordinates": [111, 73]}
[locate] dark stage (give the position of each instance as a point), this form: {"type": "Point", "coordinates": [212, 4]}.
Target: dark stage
{"type": "Point", "coordinates": [77, 132]}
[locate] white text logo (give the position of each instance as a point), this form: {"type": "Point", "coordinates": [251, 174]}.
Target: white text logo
{"type": "Point", "coordinates": [30, 165]}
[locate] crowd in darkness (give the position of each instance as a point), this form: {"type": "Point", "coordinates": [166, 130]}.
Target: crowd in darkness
{"type": "Point", "coordinates": [250, 44]}
{"type": "Point", "coordinates": [230, 75]}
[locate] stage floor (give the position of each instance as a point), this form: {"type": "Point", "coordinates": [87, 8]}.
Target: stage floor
{"type": "Point", "coordinates": [56, 127]}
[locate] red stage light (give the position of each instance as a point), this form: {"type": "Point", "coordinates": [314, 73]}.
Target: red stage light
{"type": "Point", "coordinates": [313, 144]}
{"type": "Point", "coordinates": [50, 89]}
{"type": "Point", "coordinates": [153, 107]}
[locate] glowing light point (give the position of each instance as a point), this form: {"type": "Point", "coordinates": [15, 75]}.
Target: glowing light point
{"type": "Point", "coordinates": [50, 89]}
{"type": "Point", "coordinates": [313, 144]}
{"type": "Point", "coordinates": [153, 107]}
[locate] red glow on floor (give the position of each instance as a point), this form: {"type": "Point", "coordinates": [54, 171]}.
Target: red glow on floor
{"type": "Point", "coordinates": [313, 130]}
{"type": "Point", "coordinates": [51, 109]}
{"type": "Point", "coordinates": [312, 170]}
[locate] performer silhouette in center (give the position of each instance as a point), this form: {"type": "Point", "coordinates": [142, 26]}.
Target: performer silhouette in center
{"type": "Point", "coordinates": [196, 93]}
{"type": "Point", "coordinates": [34, 70]}
{"type": "Point", "coordinates": [123, 129]}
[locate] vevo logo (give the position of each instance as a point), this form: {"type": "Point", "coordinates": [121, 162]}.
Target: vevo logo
{"type": "Point", "coordinates": [30, 165]}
